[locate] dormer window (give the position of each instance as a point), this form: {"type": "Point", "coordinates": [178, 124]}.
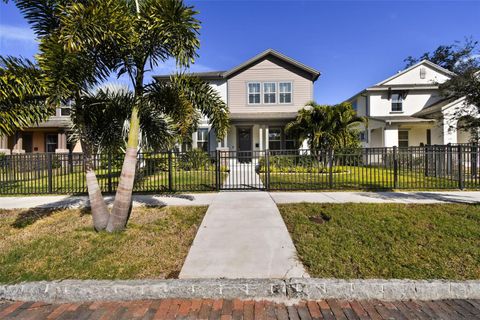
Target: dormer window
{"type": "Point", "coordinates": [397, 102]}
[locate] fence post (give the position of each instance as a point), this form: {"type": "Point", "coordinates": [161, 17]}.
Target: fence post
{"type": "Point", "coordinates": [217, 170]}
{"type": "Point", "coordinates": [110, 187]}
{"type": "Point", "coordinates": [267, 169]}
{"type": "Point", "coordinates": [460, 163]}
{"type": "Point", "coordinates": [70, 161]}
{"type": "Point", "coordinates": [170, 173]}
{"type": "Point", "coordinates": [330, 168]}
{"type": "Point", "coordinates": [49, 173]}
{"type": "Point", "coordinates": [395, 168]}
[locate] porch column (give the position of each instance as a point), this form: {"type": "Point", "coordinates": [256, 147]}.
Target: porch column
{"type": "Point", "coordinates": [225, 141]}
{"type": "Point", "coordinates": [4, 145]}
{"type": "Point", "coordinates": [194, 140]}
{"type": "Point", "coordinates": [260, 138]}
{"type": "Point", "coordinates": [267, 144]}
{"type": "Point", "coordinates": [62, 143]}
{"type": "Point", "coordinates": [449, 131]}
{"type": "Point", "coordinates": [18, 147]}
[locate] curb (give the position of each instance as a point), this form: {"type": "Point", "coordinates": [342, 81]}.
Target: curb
{"type": "Point", "coordinates": [268, 289]}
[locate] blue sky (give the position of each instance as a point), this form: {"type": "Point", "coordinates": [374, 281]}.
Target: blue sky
{"type": "Point", "coordinates": [353, 43]}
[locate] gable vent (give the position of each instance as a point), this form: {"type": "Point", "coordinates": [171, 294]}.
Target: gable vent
{"type": "Point", "coordinates": [423, 73]}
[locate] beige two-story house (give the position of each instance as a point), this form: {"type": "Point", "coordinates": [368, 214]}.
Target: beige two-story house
{"type": "Point", "coordinates": [263, 94]}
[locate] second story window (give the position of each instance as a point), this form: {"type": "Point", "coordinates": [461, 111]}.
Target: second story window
{"type": "Point", "coordinates": [285, 92]}
{"type": "Point", "coordinates": [254, 93]}
{"type": "Point", "coordinates": [397, 102]}
{"type": "Point", "coordinates": [269, 92]}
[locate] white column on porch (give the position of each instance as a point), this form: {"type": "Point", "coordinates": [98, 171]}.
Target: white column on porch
{"type": "Point", "coordinates": [194, 140]}
{"type": "Point", "coordinates": [62, 143]}
{"type": "Point", "coordinates": [18, 147]}
{"type": "Point", "coordinates": [267, 144]}
{"type": "Point", "coordinates": [260, 138]}
{"type": "Point", "coordinates": [4, 145]}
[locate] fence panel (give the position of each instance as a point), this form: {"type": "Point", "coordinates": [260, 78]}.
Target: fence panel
{"type": "Point", "coordinates": [413, 168]}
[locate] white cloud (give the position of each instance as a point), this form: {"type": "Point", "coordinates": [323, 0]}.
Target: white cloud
{"type": "Point", "coordinates": [8, 32]}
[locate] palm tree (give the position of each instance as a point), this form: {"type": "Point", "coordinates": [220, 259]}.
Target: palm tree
{"type": "Point", "coordinates": [20, 105]}
{"type": "Point", "coordinates": [82, 42]}
{"type": "Point", "coordinates": [326, 127]}
{"type": "Point", "coordinates": [150, 32]}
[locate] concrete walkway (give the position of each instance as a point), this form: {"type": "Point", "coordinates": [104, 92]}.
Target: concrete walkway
{"type": "Point", "coordinates": [242, 236]}
{"type": "Point", "coordinates": [201, 199]}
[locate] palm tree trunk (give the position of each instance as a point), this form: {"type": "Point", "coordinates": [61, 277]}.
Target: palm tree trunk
{"type": "Point", "coordinates": [98, 206]}
{"type": "Point", "coordinates": [123, 198]}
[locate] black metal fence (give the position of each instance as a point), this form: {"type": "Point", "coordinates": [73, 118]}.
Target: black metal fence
{"type": "Point", "coordinates": [416, 168]}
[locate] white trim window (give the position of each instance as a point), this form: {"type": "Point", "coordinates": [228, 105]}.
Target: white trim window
{"type": "Point", "coordinates": [285, 89]}
{"type": "Point", "coordinates": [254, 93]}
{"type": "Point", "coordinates": [202, 139]}
{"type": "Point", "coordinates": [403, 138]}
{"type": "Point", "coordinates": [269, 92]}
{"type": "Point", "coordinates": [397, 102]}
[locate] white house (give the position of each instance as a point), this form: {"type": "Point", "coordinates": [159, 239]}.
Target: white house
{"type": "Point", "coordinates": [263, 94]}
{"type": "Point", "coordinates": [408, 110]}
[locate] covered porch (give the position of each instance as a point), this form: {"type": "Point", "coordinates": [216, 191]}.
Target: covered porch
{"type": "Point", "coordinates": [257, 132]}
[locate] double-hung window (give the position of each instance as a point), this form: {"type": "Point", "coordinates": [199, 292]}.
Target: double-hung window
{"type": "Point", "coordinates": [397, 102]}
{"type": "Point", "coordinates": [51, 142]}
{"type": "Point", "coordinates": [254, 93]}
{"type": "Point", "coordinates": [403, 139]}
{"type": "Point", "coordinates": [269, 92]}
{"type": "Point", "coordinates": [202, 139]}
{"type": "Point", "coordinates": [275, 139]}
{"type": "Point", "coordinates": [285, 95]}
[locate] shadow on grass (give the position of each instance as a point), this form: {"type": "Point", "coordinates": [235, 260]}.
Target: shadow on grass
{"type": "Point", "coordinates": [32, 215]}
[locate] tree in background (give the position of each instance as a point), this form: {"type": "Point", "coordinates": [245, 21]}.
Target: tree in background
{"type": "Point", "coordinates": [326, 127]}
{"type": "Point", "coordinates": [458, 57]}
{"type": "Point", "coordinates": [464, 61]}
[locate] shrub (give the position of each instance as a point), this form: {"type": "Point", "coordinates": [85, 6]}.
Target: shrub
{"type": "Point", "coordinates": [195, 159]}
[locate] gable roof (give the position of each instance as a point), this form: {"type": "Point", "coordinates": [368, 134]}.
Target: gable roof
{"type": "Point", "coordinates": [270, 52]}
{"type": "Point", "coordinates": [381, 85]}
{"type": "Point", "coordinates": [217, 75]}
{"type": "Point", "coordinates": [423, 62]}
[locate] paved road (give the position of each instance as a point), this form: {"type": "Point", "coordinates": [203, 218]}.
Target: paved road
{"type": "Point", "coordinates": [242, 236]}
{"type": "Point", "coordinates": [237, 309]}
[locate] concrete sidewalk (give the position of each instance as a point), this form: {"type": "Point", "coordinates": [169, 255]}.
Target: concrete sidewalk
{"type": "Point", "coordinates": [200, 199]}
{"type": "Point", "coordinates": [242, 236]}
{"type": "Point", "coordinates": [25, 202]}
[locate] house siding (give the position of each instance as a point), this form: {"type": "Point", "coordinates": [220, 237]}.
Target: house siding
{"type": "Point", "coordinates": [269, 69]}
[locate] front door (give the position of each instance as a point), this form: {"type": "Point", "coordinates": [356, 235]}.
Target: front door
{"type": "Point", "coordinates": [244, 153]}
{"type": "Point", "coordinates": [27, 141]}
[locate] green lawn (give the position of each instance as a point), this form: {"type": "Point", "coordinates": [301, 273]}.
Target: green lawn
{"type": "Point", "coordinates": [440, 241]}
{"type": "Point", "coordinates": [48, 245]}
{"type": "Point", "coordinates": [69, 183]}
{"type": "Point", "coordinates": [359, 178]}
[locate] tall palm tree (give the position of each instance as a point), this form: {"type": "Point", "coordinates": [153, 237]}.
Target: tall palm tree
{"type": "Point", "coordinates": [82, 42]}
{"type": "Point", "coordinates": [152, 31]}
